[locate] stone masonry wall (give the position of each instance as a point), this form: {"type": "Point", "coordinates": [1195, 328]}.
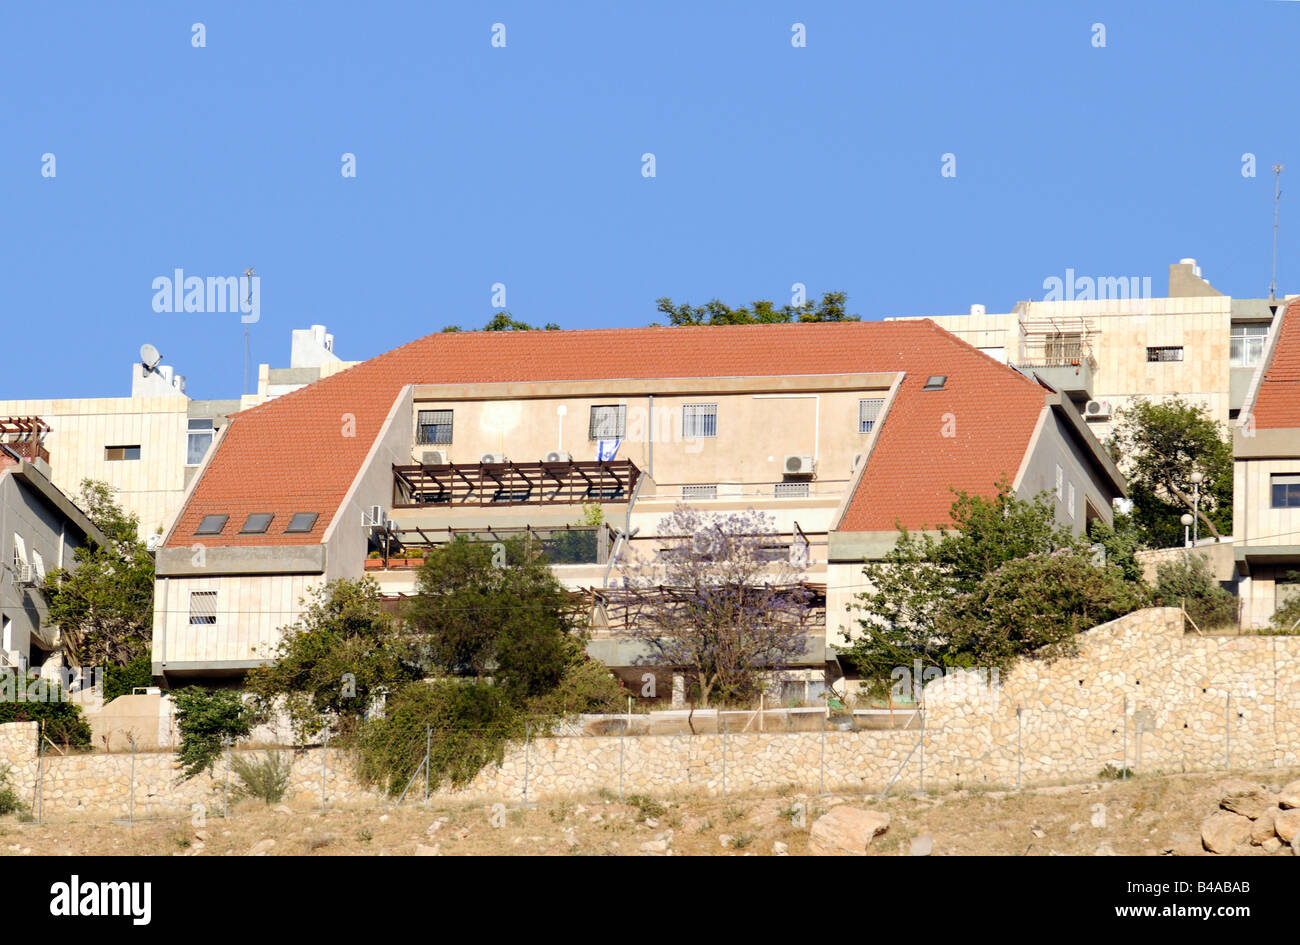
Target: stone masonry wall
{"type": "Point", "coordinates": [1139, 692]}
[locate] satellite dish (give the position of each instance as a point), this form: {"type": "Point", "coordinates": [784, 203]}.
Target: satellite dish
{"type": "Point", "coordinates": [149, 356]}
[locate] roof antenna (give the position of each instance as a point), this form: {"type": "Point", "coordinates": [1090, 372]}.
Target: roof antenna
{"type": "Point", "coordinates": [1277, 194]}
{"type": "Point", "coordinates": [249, 273]}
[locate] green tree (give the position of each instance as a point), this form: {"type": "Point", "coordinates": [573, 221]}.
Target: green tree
{"type": "Point", "coordinates": [1188, 581]}
{"type": "Point", "coordinates": [1036, 604]}
{"type": "Point", "coordinates": [330, 667]}
{"type": "Point", "coordinates": [504, 321]}
{"type": "Point", "coordinates": [1158, 446]}
{"type": "Point", "coordinates": [492, 609]}
{"type": "Point", "coordinates": [208, 720]}
{"type": "Point", "coordinates": [43, 701]}
{"type": "Point", "coordinates": [715, 312]}
{"type": "Point", "coordinates": [104, 604]}
{"type": "Point", "coordinates": [1121, 542]}
{"type": "Point", "coordinates": [922, 590]}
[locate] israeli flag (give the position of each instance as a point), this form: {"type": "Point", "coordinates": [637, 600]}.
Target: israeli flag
{"type": "Point", "coordinates": [607, 450]}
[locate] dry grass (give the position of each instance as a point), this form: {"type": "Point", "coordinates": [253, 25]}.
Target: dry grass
{"type": "Point", "coordinates": [1143, 816]}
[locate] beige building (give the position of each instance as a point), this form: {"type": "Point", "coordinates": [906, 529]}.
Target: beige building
{"type": "Point", "coordinates": [1266, 481]}
{"type": "Point", "coordinates": [839, 432]}
{"type": "Point", "coordinates": [1104, 351]}
{"type": "Point", "coordinates": [149, 445]}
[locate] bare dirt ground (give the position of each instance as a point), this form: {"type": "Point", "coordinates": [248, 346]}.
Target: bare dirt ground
{"type": "Point", "coordinates": [1145, 816]}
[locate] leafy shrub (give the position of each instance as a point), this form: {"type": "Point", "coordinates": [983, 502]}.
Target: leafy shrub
{"type": "Point", "coordinates": [1188, 580]}
{"type": "Point", "coordinates": [61, 722]}
{"type": "Point", "coordinates": [207, 719]}
{"type": "Point", "coordinates": [10, 802]}
{"type": "Point", "coordinates": [265, 778]}
{"type": "Point", "coordinates": [123, 680]}
{"type": "Point", "coordinates": [469, 725]}
{"type": "Point", "coordinates": [648, 806]}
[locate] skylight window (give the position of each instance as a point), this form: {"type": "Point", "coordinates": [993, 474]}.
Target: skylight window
{"type": "Point", "coordinates": [936, 382]}
{"type": "Point", "coordinates": [257, 523]}
{"type": "Point", "coordinates": [302, 522]}
{"type": "Point", "coordinates": [211, 525]}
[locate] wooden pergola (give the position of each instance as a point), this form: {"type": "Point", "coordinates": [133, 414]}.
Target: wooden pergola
{"type": "Point", "coordinates": [618, 607]}
{"type": "Point", "coordinates": [506, 484]}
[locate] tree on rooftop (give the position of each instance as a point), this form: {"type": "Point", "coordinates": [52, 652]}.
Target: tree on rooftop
{"type": "Point", "coordinates": [1158, 445]}
{"type": "Point", "coordinates": [721, 602]}
{"type": "Point", "coordinates": [715, 312]}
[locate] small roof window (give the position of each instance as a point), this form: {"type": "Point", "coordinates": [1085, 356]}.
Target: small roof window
{"type": "Point", "coordinates": [211, 525]}
{"type": "Point", "coordinates": [257, 523]}
{"type": "Point", "coordinates": [936, 382]}
{"type": "Point", "coordinates": [302, 522]}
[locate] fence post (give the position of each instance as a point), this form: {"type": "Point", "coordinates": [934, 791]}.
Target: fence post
{"type": "Point", "coordinates": [821, 762]}
{"type": "Point", "coordinates": [724, 755]}
{"type": "Point", "coordinates": [622, 741]}
{"type": "Point", "coordinates": [1227, 732]}
{"type": "Point", "coordinates": [921, 712]}
{"type": "Point", "coordinates": [1019, 751]}
{"type": "Point", "coordinates": [428, 749]}
{"type": "Point", "coordinates": [130, 811]}
{"type": "Point", "coordinates": [527, 745]}
{"type": "Point", "coordinates": [226, 815]}
{"type": "Point", "coordinates": [324, 767]}
{"type": "Point", "coordinates": [40, 773]}
{"type": "Point", "coordinates": [1123, 767]}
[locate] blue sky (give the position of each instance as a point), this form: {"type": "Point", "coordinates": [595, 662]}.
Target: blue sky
{"type": "Point", "coordinates": [522, 165]}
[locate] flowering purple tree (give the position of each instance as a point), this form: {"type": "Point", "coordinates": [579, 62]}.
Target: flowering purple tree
{"type": "Point", "coordinates": [719, 601]}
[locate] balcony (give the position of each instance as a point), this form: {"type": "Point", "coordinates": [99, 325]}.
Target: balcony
{"type": "Point", "coordinates": [406, 548]}
{"type": "Point", "coordinates": [25, 436]}
{"type": "Point", "coordinates": [496, 485]}
{"type": "Point", "coordinates": [1072, 376]}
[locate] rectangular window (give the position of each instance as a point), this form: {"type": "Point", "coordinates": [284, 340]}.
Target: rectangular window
{"type": "Point", "coordinates": [1247, 345]}
{"type": "Point", "coordinates": [38, 565]}
{"type": "Point", "coordinates": [434, 426]}
{"type": "Point", "coordinates": [1286, 490]}
{"type": "Point", "coordinates": [257, 523]}
{"type": "Point", "coordinates": [211, 525]}
{"type": "Point", "coordinates": [1165, 353]}
{"type": "Point", "coordinates": [302, 522]}
{"type": "Point", "coordinates": [200, 438]}
{"type": "Point", "coordinates": [868, 412]}
{"type": "Point", "coordinates": [700, 491]}
{"type": "Point", "coordinates": [117, 453]}
{"type": "Point", "coordinates": [699, 420]}
{"type": "Point", "coordinates": [790, 490]}
{"type": "Point", "coordinates": [1063, 346]}
{"type": "Point", "coordinates": [1069, 505]}
{"type": "Point", "coordinates": [608, 422]}
{"type": "Point", "coordinates": [1060, 482]}
{"type": "Point", "coordinates": [203, 608]}
{"type": "Point", "coordinates": [20, 552]}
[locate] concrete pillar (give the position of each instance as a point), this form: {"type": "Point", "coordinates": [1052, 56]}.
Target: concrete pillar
{"type": "Point", "coordinates": [679, 691]}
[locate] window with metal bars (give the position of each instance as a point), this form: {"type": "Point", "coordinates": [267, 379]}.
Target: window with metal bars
{"type": "Point", "coordinates": [869, 412]}
{"type": "Point", "coordinates": [608, 422]}
{"type": "Point", "coordinates": [203, 608]}
{"type": "Point", "coordinates": [700, 491]}
{"type": "Point", "coordinates": [699, 420]}
{"type": "Point", "coordinates": [1165, 353]}
{"type": "Point", "coordinates": [791, 490]}
{"type": "Point", "coordinates": [434, 426]}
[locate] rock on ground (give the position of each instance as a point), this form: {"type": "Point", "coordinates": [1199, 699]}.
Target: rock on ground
{"type": "Point", "coordinates": [1243, 797]}
{"type": "Point", "coordinates": [1263, 827]}
{"type": "Point", "coordinates": [1289, 796]}
{"type": "Point", "coordinates": [1223, 830]}
{"type": "Point", "coordinates": [846, 831]}
{"type": "Point", "coordinates": [1287, 824]}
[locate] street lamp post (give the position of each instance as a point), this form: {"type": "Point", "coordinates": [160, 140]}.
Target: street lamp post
{"type": "Point", "coordinates": [1187, 523]}
{"type": "Point", "coordinates": [1197, 478]}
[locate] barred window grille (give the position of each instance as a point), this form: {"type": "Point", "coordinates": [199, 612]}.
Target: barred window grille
{"type": "Point", "coordinates": [203, 608]}
{"type": "Point", "coordinates": [700, 491]}
{"type": "Point", "coordinates": [434, 427]}
{"type": "Point", "coordinates": [1165, 353]}
{"type": "Point", "coordinates": [608, 422]}
{"type": "Point", "coordinates": [869, 412]}
{"type": "Point", "coordinates": [791, 490]}
{"type": "Point", "coordinates": [699, 420]}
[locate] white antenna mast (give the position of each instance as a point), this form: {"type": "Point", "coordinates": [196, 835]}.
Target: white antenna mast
{"type": "Point", "coordinates": [1277, 195]}
{"type": "Point", "coordinates": [249, 273]}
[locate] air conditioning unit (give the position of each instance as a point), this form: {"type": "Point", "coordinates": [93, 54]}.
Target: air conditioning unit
{"type": "Point", "coordinates": [375, 517]}
{"type": "Point", "coordinates": [798, 465]}
{"type": "Point", "coordinates": [492, 458]}
{"type": "Point", "coordinates": [26, 575]}
{"type": "Point", "coordinates": [558, 456]}
{"type": "Point", "coordinates": [1097, 410]}
{"type": "Point", "coordinates": [434, 458]}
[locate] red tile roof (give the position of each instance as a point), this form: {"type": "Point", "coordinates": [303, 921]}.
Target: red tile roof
{"type": "Point", "coordinates": [1277, 405]}
{"type": "Point", "coordinates": [294, 453]}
